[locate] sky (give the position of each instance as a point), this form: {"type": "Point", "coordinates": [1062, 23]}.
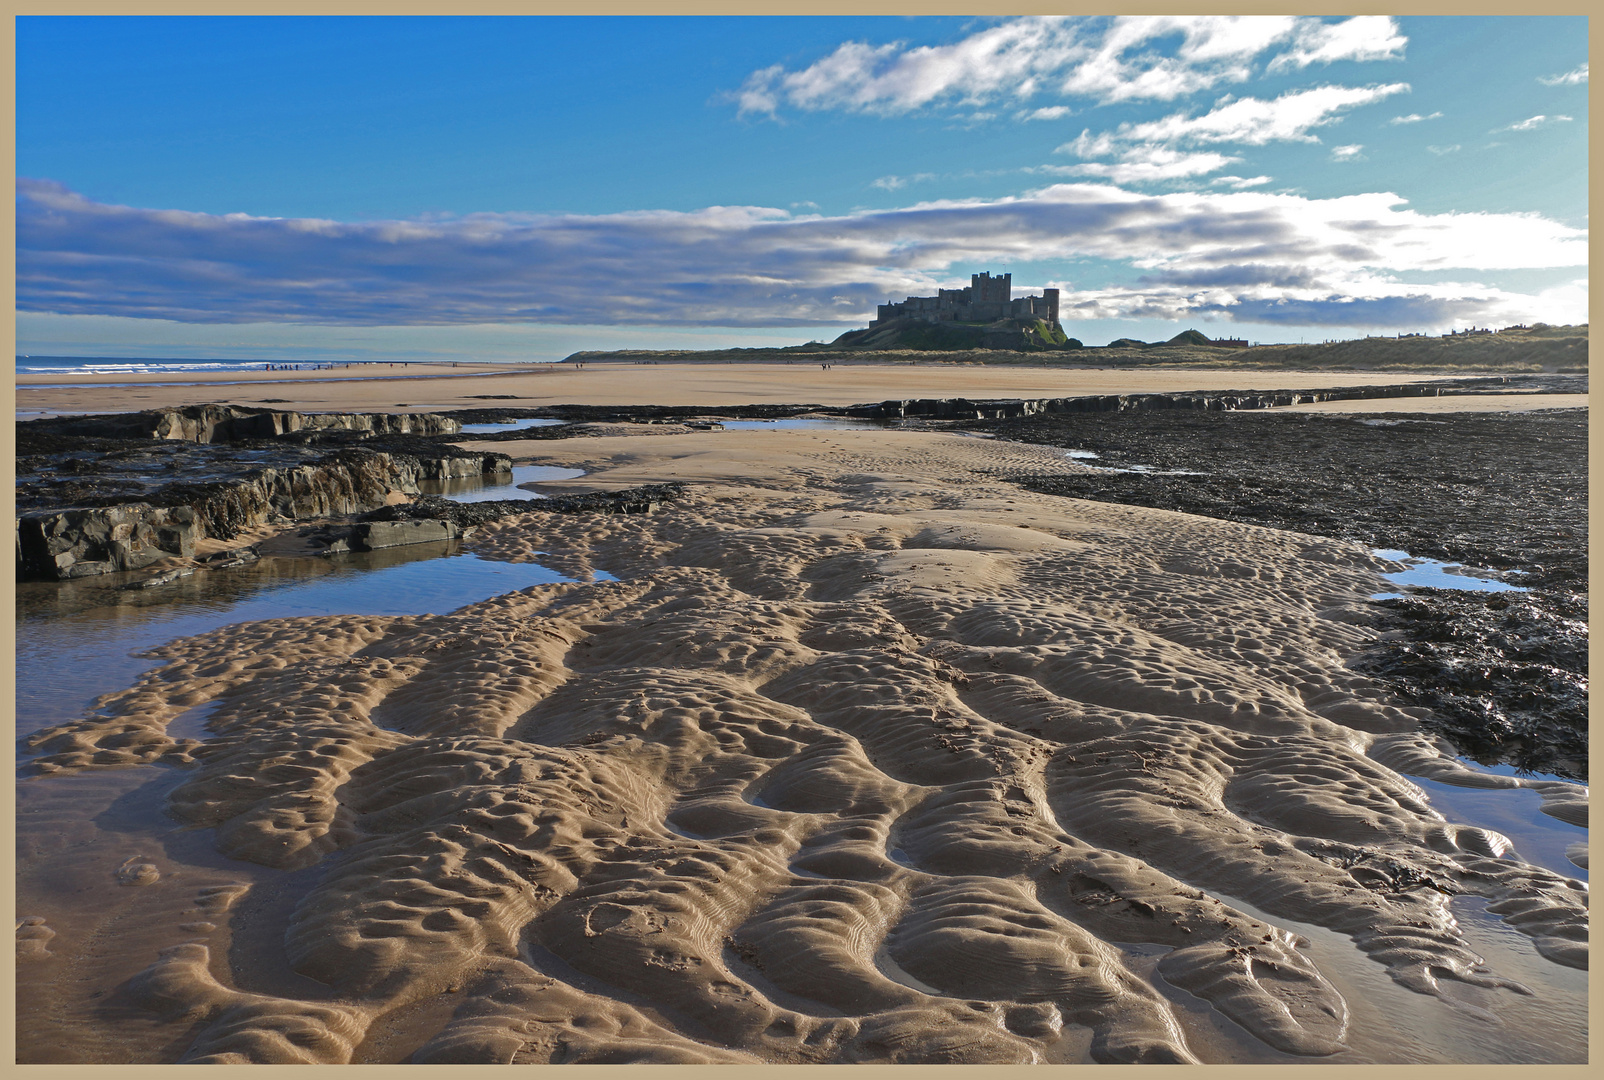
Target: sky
{"type": "Point", "coordinates": [521, 188]}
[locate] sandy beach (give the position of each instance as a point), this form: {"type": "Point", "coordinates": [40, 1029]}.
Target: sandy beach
{"type": "Point", "coordinates": [421, 388]}
{"type": "Point", "coordinates": [854, 752]}
{"type": "Point", "coordinates": [1043, 539]}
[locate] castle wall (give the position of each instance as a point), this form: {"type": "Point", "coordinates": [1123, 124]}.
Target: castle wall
{"type": "Point", "coordinates": [986, 299]}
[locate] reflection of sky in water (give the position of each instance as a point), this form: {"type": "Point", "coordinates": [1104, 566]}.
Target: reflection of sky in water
{"type": "Point", "coordinates": [1084, 456]}
{"type": "Point", "coordinates": [805, 423]}
{"type": "Point", "coordinates": [65, 660]}
{"type": "Point", "coordinates": [511, 425]}
{"type": "Point", "coordinates": [473, 489]}
{"type": "Point", "coordinates": [1513, 812]}
{"type": "Point", "coordinates": [1429, 573]}
{"type": "Point", "coordinates": [1510, 770]}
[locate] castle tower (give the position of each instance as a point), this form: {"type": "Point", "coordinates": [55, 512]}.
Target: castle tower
{"type": "Point", "coordinates": [985, 289]}
{"type": "Point", "coordinates": [1051, 296]}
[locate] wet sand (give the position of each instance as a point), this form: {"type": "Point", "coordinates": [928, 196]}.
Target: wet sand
{"type": "Point", "coordinates": [421, 389]}
{"type": "Point", "coordinates": [868, 755]}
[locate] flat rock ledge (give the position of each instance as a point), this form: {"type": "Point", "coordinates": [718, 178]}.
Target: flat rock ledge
{"type": "Point", "coordinates": [232, 423]}
{"type": "Point", "coordinates": [59, 544]}
{"type": "Point", "coordinates": [1227, 400]}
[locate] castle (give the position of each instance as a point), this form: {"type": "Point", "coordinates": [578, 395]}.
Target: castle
{"type": "Point", "coordinates": [985, 300]}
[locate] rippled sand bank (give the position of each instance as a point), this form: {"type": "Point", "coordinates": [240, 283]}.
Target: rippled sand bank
{"type": "Point", "coordinates": [867, 756]}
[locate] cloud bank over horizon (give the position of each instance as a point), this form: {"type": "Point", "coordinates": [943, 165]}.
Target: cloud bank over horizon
{"type": "Point", "coordinates": [1239, 255]}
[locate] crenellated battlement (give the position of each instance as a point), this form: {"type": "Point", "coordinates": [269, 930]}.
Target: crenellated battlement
{"type": "Point", "coordinates": [986, 299]}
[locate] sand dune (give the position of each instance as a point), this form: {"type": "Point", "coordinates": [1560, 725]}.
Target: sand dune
{"type": "Point", "coordinates": [866, 756]}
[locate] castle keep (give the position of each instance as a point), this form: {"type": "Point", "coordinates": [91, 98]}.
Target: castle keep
{"type": "Point", "coordinates": [985, 300]}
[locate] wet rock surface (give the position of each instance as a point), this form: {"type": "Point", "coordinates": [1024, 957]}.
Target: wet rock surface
{"type": "Point", "coordinates": [639, 500]}
{"type": "Point", "coordinates": [1210, 401]}
{"type": "Point", "coordinates": [576, 417]}
{"type": "Point", "coordinates": [89, 503]}
{"type": "Point", "coordinates": [1505, 491]}
{"type": "Point", "coordinates": [1505, 677]}
{"type": "Point", "coordinates": [232, 423]}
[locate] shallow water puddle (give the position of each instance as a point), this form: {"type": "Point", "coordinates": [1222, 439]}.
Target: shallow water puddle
{"type": "Point", "coordinates": [77, 640]}
{"type": "Point", "coordinates": [1431, 574]}
{"type": "Point", "coordinates": [192, 723]}
{"type": "Point", "coordinates": [1472, 1025]}
{"type": "Point", "coordinates": [472, 489]}
{"type": "Point", "coordinates": [1516, 813]}
{"type": "Point", "coordinates": [74, 834]}
{"type": "Point", "coordinates": [507, 425]}
{"type": "Point", "coordinates": [805, 423]}
{"type": "Point", "coordinates": [1083, 456]}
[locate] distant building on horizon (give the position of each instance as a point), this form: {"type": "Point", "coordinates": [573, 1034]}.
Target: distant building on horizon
{"type": "Point", "coordinates": [987, 299]}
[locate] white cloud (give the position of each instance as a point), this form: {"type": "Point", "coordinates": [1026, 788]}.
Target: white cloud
{"type": "Point", "coordinates": [1360, 303]}
{"type": "Point", "coordinates": [1238, 183]}
{"type": "Point", "coordinates": [1006, 60]}
{"type": "Point", "coordinates": [893, 183]}
{"type": "Point", "coordinates": [1354, 152]}
{"type": "Point", "coordinates": [1149, 151]}
{"type": "Point", "coordinates": [1104, 59]}
{"type": "Point", "coordinates": [1441, 151]}
{"type": "Point", "coordinates": [1237, 252]}
{"type": "Point", "coordinates": [1534, 122]}
{"type": "Point", "coordinates": [1413, 118]}
{"type": "Point", "coordinates": [1051, 112]}
{"type": "Point", "coordinates": [1249, 121]}
{"type": "Point", "coordinates": [1573, 77]}
{"type": "Point", "coordinates": [1143, 164]}
{"type": "Point", "coordinates": [1366, 37]}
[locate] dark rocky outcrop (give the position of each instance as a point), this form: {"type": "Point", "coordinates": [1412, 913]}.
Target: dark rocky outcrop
{"type": "Point", "coordinates": [377, 535]}
{"type": "Point", "coordinates": [1504, 675]}
{"type": "Point", "coordinates": [102, 540]}
{"type": "Point", "coordinates": [1222, 401]}
{"type": "Point", "coordinates": [91, 502]}
{"type": "Point", "coordinates": [232, 423]}
{"type": "Point", "coordinates": [638, 500]}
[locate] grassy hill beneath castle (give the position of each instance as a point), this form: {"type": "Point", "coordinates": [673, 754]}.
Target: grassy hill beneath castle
{"type": "Point", "coordinates": [1022, 335]}
{"type": "Point", "coordinates": [1535, 348]}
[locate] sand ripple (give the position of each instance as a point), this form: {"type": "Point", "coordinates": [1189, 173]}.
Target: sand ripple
{"type": "Point", "coordinates": [866, 769]}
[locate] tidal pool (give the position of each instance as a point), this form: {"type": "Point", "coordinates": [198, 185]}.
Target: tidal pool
{"type": "Point", "coordinates": [76, 640]}
{"type": "Point", "coordinates": [474, 489]}
{"type": "Point", "coordinates": [507, 425]}
{"type": "Point", "coordinates": [1429, 573]}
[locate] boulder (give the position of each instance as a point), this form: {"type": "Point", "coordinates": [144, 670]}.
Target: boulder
{"type": "Point", "coordinates": [373, 535]}
{"type": "Point", "coordinates": [102, 539]}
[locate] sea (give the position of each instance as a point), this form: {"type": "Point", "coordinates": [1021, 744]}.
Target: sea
{"type": "Point", "coordinates": [147, 365]}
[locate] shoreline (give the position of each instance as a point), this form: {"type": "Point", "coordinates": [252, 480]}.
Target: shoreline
{"type": "Point", "coordinates": [707, 385]}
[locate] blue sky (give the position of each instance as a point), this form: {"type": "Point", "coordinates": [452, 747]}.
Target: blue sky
{"type": "Point", "coordinates": [509, 188]}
